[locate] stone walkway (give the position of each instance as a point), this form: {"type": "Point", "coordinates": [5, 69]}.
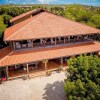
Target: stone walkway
{"type": "Point", "coordinates": [40, 88]}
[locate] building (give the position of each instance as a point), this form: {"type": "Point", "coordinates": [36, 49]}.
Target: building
{"type": "Point", "coordinates": [40, 41]}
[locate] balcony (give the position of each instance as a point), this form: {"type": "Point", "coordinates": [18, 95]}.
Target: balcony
{"type": "Point", "coordinates": [49, 44]}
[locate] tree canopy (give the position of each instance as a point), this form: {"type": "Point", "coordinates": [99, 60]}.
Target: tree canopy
{"type": "Point", "coordinates": [83, 83]}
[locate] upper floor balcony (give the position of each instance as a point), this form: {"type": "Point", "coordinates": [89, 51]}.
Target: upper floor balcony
{"type": "Point", "coordinates": [52, 42]}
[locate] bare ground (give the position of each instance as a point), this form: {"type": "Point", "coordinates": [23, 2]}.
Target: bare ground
{"type": "Point", "coordinates": [41, 88]}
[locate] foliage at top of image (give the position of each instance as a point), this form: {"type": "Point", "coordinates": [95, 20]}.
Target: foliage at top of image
{"type": "Point", "coordinates": [83, 83]}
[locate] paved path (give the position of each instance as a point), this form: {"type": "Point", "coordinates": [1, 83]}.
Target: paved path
{"type": "Point", "coordinates": [41, 88]}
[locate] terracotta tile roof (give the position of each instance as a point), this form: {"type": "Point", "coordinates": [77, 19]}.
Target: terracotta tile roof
{"type": "Point", "coordinates": [25, 14]}
{"type": "Point", "coordinates": [5, 51]}
{"type": "Point", "coordinates": [46, 25]}
{"type": "Point", "coordinates": [25, 56]}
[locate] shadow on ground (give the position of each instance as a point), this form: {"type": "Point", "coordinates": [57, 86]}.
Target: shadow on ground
{"type": "Point", "coordinates": [54, 91]}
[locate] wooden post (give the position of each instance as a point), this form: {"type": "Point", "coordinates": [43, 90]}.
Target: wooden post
{"type": "Point", "coordinates": [77, 37]}
{"type": "Point", "coordinates": [32, 43]}
{"type": "Point", "coordinates": [27, 69]}
{"type": "Point", "coordinates": [41, 40]}
{"type": "Point", "coordinates": [7, 75]}
{"type": "Point", "coordinates": [61, 61]}
{"type": "Point", "coordinates": [14, 45]}
{"type": "Point", "coordinates": [59, 39]}
{"type": "Point", "coordinates": [55, 41]}
{"type": "Point", "coordinates": [68, 38]}
{"type": "Point", "coordinates": [64, 40]}
{"type": "Point", "coordinates": [45, 64]}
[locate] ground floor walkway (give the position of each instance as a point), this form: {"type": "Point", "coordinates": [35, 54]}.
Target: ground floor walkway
{"type": "Point", "coordinates": [40, 88]}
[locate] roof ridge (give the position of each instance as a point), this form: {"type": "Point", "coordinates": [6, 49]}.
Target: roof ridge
{"type": "Point", "coordinates": [24, 27]}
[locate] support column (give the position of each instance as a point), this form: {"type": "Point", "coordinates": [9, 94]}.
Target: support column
{"type": "Point", "coordinates": [64, 40]}
{"type": "Point", "coordinates": [61, 61]}
{"type": "Point", "coordinates": [45, 64]}
{"type": "Point", "coordinates": [32, 43]}
{"type": "Point", "coordinates": [55, 41]}
{"type": "Point", "coordinates": [77, 37]}
{"type": "Point", "coordinates": [68, 38]}
{"type": "Point", "coordinates": [41, 40]}
{"type": "Point", "coordinates": [59, 39]}
{"type": "Point", "coordinates": [14, 45]}
{"type": "Point", "coordinates": [7, 72]}
{"type": "Point", "coordinates": [27, 69]}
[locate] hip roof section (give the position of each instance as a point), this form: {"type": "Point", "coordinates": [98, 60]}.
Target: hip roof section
{"type": "Point", "coordinates": [46, 25]}
{"type": "Point", "coordinates": [26, 56]}
{"type": "Point", "coordinates": [25, 14]}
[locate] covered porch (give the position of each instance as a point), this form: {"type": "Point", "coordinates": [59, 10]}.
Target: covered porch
{"type": "Point", "coordinates": [35, 68]}
{"type": "Point", "coordinates": [49, 42]}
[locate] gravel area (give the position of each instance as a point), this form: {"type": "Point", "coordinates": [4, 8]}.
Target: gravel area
{"type": "Point", "coordinates": [40, 88]}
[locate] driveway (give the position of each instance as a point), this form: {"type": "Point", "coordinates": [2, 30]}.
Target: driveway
{"type": "Point", "coordinates": [40, 88]}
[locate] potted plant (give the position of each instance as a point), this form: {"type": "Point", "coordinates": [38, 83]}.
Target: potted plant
{"type": "Point", "coordinates": [48, 73]}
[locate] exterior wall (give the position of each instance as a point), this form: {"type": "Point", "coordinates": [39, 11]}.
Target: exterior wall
{"type": "Point", "coordinates": [21, 19]}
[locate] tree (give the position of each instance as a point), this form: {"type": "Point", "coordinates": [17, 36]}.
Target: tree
{"type": "Point", "coordinates": [83, 83]}
{"type": "Point", "coordinates": [6, 19]}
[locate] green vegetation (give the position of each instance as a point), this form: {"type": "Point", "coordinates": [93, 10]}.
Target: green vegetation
{"type": "Point", "coordinates": [2, 25]}
{"type": "Point", "coordinates": [83, 83]}
{"type": "Point", "coordinates": [85, 14]}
